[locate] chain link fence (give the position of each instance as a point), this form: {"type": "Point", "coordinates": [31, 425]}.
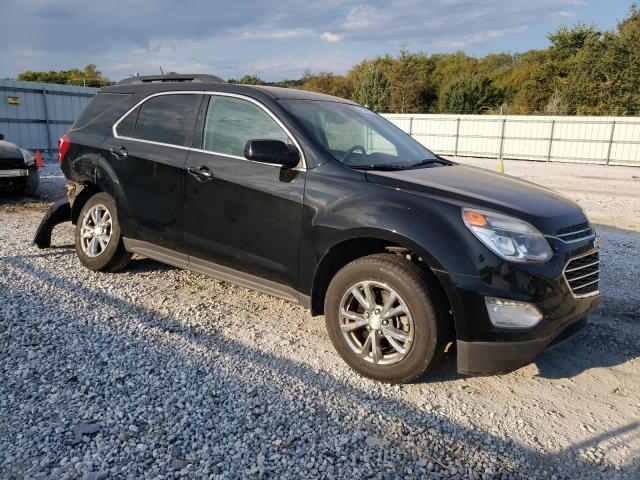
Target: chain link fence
{"type": "Point", "coordinates": [597, 140]}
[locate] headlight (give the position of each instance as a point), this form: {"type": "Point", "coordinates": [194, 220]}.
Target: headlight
{"type": "Point", "coordinates": [29, 158]}
{"type": "Point", "coordinates": [510, 238]}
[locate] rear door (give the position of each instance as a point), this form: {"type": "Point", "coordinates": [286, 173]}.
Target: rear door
{"type": "Point", "coordinates": [149, 151]}
{"type": "Point", "coordinates": [243, 214]}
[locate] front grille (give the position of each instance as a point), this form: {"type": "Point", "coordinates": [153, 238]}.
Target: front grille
{"type": "Point", "coordinates": [583, 274]}
{"type": "Point", "coordinates": [10, 164]}
{"type": "Point", "coordinates": [575, 232]}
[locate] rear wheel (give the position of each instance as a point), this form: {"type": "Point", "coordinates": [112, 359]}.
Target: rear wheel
{"type": "Point", "coordinates": [382, 318]}
{"type": "Point", "coordinates": [98, 238]}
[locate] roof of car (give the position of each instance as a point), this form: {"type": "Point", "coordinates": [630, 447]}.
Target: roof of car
{"type": "Point", "coordinates": [209, 83]}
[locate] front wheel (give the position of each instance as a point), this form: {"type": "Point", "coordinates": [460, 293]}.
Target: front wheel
{"type": "Point", "coordinates": [383, 320]}
{"type": "Point", "coordinates": [98, 238]}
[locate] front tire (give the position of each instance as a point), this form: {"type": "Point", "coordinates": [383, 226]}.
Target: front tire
{"type": "Point", "coordinates": [383, 319]}
{"type": "Point", "coordinates": [98, 237]}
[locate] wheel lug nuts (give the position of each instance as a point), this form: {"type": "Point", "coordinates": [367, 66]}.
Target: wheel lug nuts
{"type": "Point", "coordinates": [385, 322]}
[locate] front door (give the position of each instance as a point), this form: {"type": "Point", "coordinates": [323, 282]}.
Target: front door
{"type": "Point", "coordinates": [238, 213]}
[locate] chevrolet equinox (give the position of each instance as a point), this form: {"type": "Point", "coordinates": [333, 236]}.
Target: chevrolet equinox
{"type": "Point", "coordinates": [322, 202]}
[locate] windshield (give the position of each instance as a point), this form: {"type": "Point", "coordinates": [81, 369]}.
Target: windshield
{"type": "Point", "coordinates": [359, 138]}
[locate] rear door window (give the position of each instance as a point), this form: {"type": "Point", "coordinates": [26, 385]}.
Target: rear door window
{"type": "Point", "coordinates": [231, 122]}
{"type": "Point", "coordinates": [167, 119]}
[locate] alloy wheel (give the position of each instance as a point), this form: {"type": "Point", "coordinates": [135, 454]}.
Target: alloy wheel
{"type": "Point", "coordinates": [95, 230]}
{"type": "Point", "coordinates": [376, 323]}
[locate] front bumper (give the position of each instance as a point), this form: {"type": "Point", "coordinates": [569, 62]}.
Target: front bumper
{"type": "Point", "coordinates": [59, 212]}
{"type": "Point", "coordinates": [490, 358]}
{"type": "Point", "coordinates": [14, 172]}
{"type": "Point", "coordinates": [484, 348]}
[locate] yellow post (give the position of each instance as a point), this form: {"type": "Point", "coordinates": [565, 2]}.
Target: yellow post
{"type": "Point", "coordinates": [500, 165]}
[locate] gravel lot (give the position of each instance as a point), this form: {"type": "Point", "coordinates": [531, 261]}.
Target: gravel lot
{"type": "Point", "coordinates": [161, 373]}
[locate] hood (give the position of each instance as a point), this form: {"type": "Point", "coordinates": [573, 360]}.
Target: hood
{"type": "Point", "coordinates": [10, 155]}
{"type": "Point", "coordinates": [476, 187]}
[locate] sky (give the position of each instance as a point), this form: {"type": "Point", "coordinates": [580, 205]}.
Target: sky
{"type": "Point", "coordinates": [274, 39]}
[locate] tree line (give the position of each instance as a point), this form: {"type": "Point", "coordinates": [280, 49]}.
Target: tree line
{"type": "Point", "coordinates": [583, 71]}
{"type": "Point", "coordinates": [89, 76]}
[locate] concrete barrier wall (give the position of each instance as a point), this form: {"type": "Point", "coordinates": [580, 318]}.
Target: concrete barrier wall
{"type": "Point", "coordinates": [600, 140]}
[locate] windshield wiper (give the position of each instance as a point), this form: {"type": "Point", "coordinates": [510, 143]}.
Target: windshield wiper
{"type": "Point", "coordinates": [429, 161]}
{"type": "Point", "coordinates": [383, 167]}
{"type": "Point", "coordinates": [389, 167]}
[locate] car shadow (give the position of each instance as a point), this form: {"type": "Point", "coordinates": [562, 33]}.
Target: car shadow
{"type": "Point", "coordinates": [595, 347]}
{"type": "Point", "coordinates": [452, 434]}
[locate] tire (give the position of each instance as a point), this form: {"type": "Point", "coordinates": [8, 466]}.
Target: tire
{"type": "Point", "coordinates": [109, 255]}
{"type": "Point", "coordinates": [421, 313]}
{"type": "Point", "coordinates": [33, 182]}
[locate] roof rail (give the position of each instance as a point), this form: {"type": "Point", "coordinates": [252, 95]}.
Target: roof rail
{"type": "Point", "coordinates": [172, 77]}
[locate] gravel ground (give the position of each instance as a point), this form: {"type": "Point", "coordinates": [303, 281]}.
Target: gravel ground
{"type": "Point", "coordinates": [161, 373]}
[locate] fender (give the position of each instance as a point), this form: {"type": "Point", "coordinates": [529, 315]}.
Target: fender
{"type": "Point", "coordinates": [92, 168]}
{"type": "Point", "coordinates": [431, 228]}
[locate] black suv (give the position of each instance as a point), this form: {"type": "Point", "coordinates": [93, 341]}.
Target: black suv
{"type": "Point", "coordinates": [322, 202]}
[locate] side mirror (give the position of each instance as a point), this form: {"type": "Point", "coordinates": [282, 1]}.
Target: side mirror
{"type": "Point", "coordinates": [272, 151]}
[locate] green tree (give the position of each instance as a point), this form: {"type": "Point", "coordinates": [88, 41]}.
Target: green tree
{"type": "Point", "coordinates": [371, 86]}
{"type": "Point", "coordinates": [602, 75]}
{"type": "Point", "coordinates": [326, 82]}
{"type": "Point", "coordinates": [410, 90]}
{"type": "Point", "coordinates": [471, 94]}
{"type": "Point", "coordinates": [248, 80]}
{"type": "Point", "coordinates": [566, 42]}
{"type": "Point", "coordinates": [528, 84]}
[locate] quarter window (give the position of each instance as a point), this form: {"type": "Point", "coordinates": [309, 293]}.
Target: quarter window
{"type": "Point", "coordinates": [128, 124]}
{"type": "Point", "coordinates": [166, 119]}
{"type": "Point", "coordinates": [232, 122]}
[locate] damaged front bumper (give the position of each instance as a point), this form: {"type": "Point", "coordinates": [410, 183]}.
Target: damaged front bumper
{"type": "Point", "coordinates": [59, 212]}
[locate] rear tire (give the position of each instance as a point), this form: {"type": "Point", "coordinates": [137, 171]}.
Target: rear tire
{"type": "Point", "coordinates": [98, 237]}
{"type": "Point", "coordinates": [396, 305]}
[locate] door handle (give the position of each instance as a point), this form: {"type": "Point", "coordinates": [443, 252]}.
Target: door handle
{"type": "Point", "coordinates": [119, 152]}
{"type": "Point", "coordinates": [202, 173]}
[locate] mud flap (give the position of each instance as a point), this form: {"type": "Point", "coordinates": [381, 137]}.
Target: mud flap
{"type": "Point", "coordinates": [59, 212]}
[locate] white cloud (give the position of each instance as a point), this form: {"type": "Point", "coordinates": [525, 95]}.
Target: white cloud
{"type": "Point", "coordinates": [363, 17]}
{"type": "Point", "coordinates": [464, 41]}
{"type": "Point", "coordinates": [331, 37]}
{"type": "Point", "coordinates": [268, 34]}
